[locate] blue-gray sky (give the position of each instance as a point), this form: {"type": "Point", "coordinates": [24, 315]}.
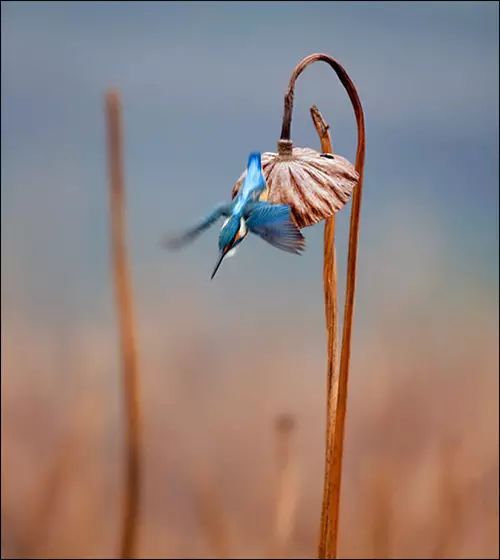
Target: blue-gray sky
{"type": "Point", "coordinates": [202, 85]}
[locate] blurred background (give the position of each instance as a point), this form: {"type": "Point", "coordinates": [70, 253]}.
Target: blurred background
{"type": "Point", "coordinates": [202, 85]}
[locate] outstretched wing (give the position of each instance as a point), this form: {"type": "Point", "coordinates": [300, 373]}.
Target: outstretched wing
{"type": "Point", "coordinates": [178, 241]}
{"type": "Point", "coordinates": [273, 224]}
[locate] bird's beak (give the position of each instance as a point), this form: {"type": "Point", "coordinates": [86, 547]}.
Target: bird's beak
{"type": "Point", "coordinates": [222, 254]}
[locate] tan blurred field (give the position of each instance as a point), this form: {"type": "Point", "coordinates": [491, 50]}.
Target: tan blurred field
{"type": "Point", "coordinates": [421, 465]}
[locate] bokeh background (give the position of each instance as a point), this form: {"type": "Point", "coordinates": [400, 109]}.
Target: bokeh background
{"type": "Point", "coordinates": [202, 85]}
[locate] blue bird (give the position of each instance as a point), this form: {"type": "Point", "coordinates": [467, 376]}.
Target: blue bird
{"type": "Point", "coordinates": [246, 213]}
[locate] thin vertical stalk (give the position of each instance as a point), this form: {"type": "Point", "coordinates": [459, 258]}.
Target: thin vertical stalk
{"type": "Point", "coordinates": [337, 397]}
{"type": "Point", "coordinates": [382, 482]}
{"type": "Point", "coordinates": [449, 527]}
{"type": "Point", "coordinates": [211, 514]}
{"type": "Point", "coordinates": [331, 317]}
{"type": "Point", "coordinates": [123, 293]}
{"type": "Point", "coordinates": [287, 489]}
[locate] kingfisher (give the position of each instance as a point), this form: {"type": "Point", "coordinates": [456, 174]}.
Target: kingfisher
{"type": "Point", "coordinates": [247, 212]}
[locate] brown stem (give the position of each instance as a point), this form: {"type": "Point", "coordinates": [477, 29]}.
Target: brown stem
{"type": "Point", "coordinates": [123, 294]}
{"type": "Point", "coordinates": [382, 481]}
{"type": "Point", "coordinates": [337, 394]}
{"type": "Point", "coordinates": [449, 520]}
{"type": "Point", "coordinates": [331, 318]}
{"type": "Point", "coordinates": [287, 485]}
{"type": "Point", "coordinates": [211, 514]}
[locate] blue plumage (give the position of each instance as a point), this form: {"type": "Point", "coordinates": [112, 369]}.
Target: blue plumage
{"type": "Point", "coordinates": [229, 231]}
{"type": "Point", "coordinates": [253, 185]}
{"type": "Point", "coordinates": [272, 222]}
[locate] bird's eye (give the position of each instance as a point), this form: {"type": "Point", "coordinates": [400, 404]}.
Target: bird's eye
{"type": "Point", "coordinates": [327, 156]}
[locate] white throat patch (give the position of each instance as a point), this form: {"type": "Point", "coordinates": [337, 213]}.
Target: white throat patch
{"type": "Point", "coordinates": [243, 228]}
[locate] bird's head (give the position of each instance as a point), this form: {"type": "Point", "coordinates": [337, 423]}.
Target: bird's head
{"type": "Point", "coordinates": [233, 231]}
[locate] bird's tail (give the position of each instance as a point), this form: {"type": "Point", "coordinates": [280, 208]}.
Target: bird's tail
{"type": "Point", "coordinates": [254, 166]}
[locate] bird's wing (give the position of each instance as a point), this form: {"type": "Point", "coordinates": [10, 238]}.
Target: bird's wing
{"type": "Point", "coordinates": [178, 241]}
{"type": "Point", "coordinates": [272, 222]}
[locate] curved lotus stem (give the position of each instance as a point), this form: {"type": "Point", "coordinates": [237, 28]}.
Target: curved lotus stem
{"type": "Point", "coordinates": [336, 403]}
{"type": "Point", "coordinates": [331, 319]}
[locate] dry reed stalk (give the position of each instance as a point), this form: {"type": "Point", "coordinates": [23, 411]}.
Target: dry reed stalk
{"type": "Point", "coordinates": [449, 516]}
{"type": "Point", "coordinates": [382, 483]}
{"type": "Point", "coordinates": [41, 515]}
{"type": "Point", "coordinates": [211, 514]}
{"type": "Point", "coordinates": [331, 312]}
{"type": "Point", "coordinates": [337, 397]}
{"type": "Point", "coordinates": [123, 293]}
{"type": "Point", "coordinates": [287, 485]}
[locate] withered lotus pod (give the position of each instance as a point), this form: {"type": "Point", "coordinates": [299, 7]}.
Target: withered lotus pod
{"type": "Point", "coordinates": [314, 185]}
